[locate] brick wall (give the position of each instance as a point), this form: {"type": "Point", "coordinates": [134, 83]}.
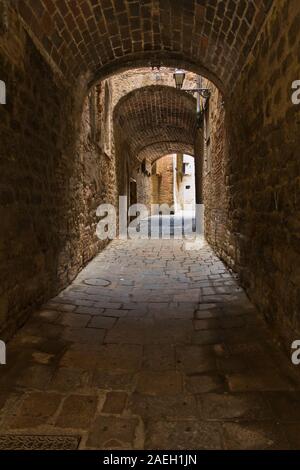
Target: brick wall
{"type": "Point", "coordinates": [143, 184]}
{"type": "Point", "coordinates": [94, 38]}
{"type": "Point", "coordinates": [127, 164]}
{"type": "Point", "coordinates": [147, 123]}
{"type": "Point", "coordinates": [215, 181]}
{"type": "Point", "coordinates": [96, 171]}
{"type": "Point", "coordinates": [156, 115]}
{"type": "Point", "coordinates": [48, 184]}
{"type": "Point", "coordinates": [255, 226]}
{"type": "Point", "coordinates": [163, 181]}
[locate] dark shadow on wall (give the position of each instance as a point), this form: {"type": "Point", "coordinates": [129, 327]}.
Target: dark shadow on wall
{"type": "Point", "coordinates": [48, 191]}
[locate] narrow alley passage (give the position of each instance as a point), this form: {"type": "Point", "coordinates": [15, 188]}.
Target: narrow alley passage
{"type": "Point", "coordinates": [175, 124]}
{"type": "Point", "coordinates": [153, 346]}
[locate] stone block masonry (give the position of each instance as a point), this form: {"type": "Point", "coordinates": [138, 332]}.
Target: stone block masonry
{"type": "Point", "coordinates": [255, 174]}
{"type": "Point", "coordinates": [49, 182]}
{"type": "Point", "coordinates": [264, 171]}
{"type": "Point", "coordinates": [215, 189]}
{"type": "Point", "coordinates": [55, 167]}
{"type": "Point", "coordinates": [90, 37]}
{"type": "Point", "coordinates": [163, 181]}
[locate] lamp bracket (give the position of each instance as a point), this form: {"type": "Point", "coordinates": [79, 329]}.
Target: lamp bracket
{"type": "Point", "coordinates": [204, 92]}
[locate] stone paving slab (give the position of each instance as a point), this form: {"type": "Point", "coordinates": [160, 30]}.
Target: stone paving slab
{"type": "Point", "coordinates": [155, 346]}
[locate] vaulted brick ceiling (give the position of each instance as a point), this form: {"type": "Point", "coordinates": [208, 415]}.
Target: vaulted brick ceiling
{"type": "Point", "coordinates": [156, 120]}
{"type": "Point", "coordinates": [93, 38]}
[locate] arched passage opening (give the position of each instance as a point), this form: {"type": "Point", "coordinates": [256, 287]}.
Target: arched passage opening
{"type": "Point", "coordinates": [54, 52]}
{"type": "Point", "coordinates": [173, 182]}
{"type": "Point", "coordinates": [149, 122]}
{"type": "Point", "coordinates": [151, 345]}
{"type": "Point", "coordinates": [91, 40]}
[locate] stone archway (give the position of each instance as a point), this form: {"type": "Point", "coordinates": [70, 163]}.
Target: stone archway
{"type": "Point", "coordinates": [154, 118]}
{"type": "Point", "coordinates": [149, 122]}
{"type": "Point", "coordinates": [54, 50]}
{"type": "Point", "coordinates": [95, 39]}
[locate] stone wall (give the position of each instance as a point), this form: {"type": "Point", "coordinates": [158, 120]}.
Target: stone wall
{"type": "Point", "coordinates": [96, 175]}
{"type": "Point", "coordinates": [49, 186]}
{"type": "Point", "coordinates": [141, 123]}
{"type": "Point", "coordinates": [120, 84]}
{"type": "Point", "coordinates": [129, 168]}
{"type": "Point", "coordinates": [115, 88]}
{"type": "Point", "coordinates": [215, 189]}
{"type": "Point", "coordinates": [264, 169]}
{"type": "Point", "coordinates": [143, 180]}
{"type": "Point", "coordinates": [93, 38]}
{"type": "Point", "coordinates": [255, 226]}
{"type": "Point", "coordinates": [163, 181]}
{"type": "Point", "coordinates": [51, 182]}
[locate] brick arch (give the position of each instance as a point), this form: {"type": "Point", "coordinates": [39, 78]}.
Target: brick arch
{"type": "Point", "coordinates": [93, 38]}
{"type": "Point", "coordinates": [154, 120]}
{"type": "Point", "coordinates": [161, 149]}
{"type": "Point", "coordinates": [180, 149]}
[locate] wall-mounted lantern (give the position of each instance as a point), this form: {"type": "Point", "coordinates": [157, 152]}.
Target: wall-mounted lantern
{"type": "Point", "coordinates": [179, 77]}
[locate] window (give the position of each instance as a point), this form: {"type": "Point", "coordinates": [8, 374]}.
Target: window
{"type": "Point", "coordinates": [185, 168]}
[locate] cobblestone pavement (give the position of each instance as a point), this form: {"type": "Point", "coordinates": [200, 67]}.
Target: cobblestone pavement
{"type": "Point", "coordinates": [153, 346]}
